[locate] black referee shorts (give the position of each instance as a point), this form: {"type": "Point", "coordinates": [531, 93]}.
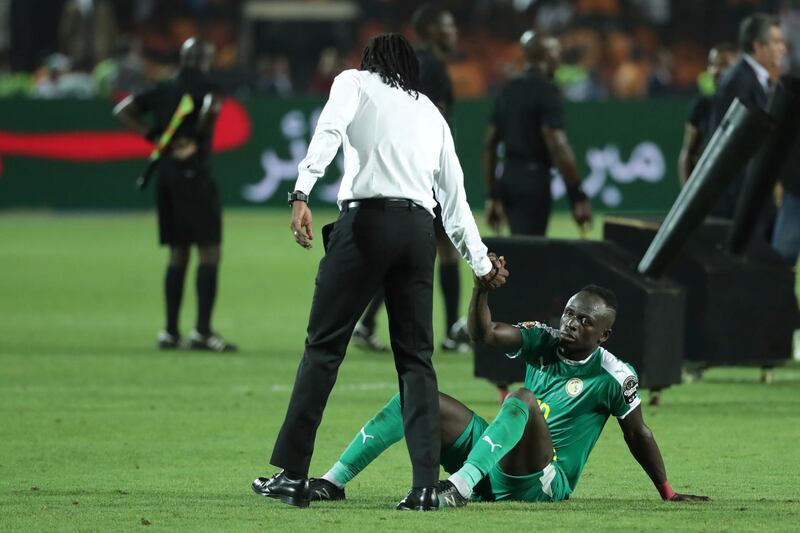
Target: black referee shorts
{"type": "Point", "coordinates": [526, 197]}
{"type": "Point", "coordinates": [188, 204]}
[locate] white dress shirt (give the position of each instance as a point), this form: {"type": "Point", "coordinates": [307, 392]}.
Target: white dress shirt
{"type": "Point", "coordinates": [395, 146]}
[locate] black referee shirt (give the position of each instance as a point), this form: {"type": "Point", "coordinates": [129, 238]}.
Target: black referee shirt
{"type": "Point", "coordinates": [700, 117]}
{"type": "Point", "coordinates": [528, 102]}
{"type": "Point", "coordinates": [162, 100]}
{"type": "Point", "coordinates": [435, 81]}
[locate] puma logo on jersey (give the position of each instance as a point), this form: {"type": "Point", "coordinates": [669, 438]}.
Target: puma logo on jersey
{"type": "Point", "coordinates": [492, 444]}
{"type": "Point", "coordinates": [364, 436]}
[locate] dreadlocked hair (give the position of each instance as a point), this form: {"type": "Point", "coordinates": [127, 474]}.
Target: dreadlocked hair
{"type": "Point", "coordinates": [391, 56]}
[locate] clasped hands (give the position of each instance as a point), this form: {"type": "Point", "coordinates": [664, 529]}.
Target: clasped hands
{"type": "Point", "coordinates": [496, 277]}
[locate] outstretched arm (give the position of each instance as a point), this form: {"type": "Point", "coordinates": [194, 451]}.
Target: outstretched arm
{"type": "Point", "coordinates": [480, 325]}
{"type": "Point", "coordinates": [645, 450]}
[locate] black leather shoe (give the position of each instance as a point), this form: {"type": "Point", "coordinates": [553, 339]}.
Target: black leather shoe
{"type": "Point", "coordinates": [420, 499]}
{"type": "Point", "coordinates": [322, 489]}
{"type": "Point", "coordinates": [292, 491]}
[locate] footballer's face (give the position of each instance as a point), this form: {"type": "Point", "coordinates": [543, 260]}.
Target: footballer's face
{"type": "Point", "coordinates": [444, 32]}
{"type": "Point", "coordinates": [585, 324]}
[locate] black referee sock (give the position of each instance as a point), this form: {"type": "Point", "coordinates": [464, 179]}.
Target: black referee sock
{"type": "Point", "coordinates": [451, 289]}
{"type": "Point", "coordinates": [173, 292]}
{"type": "Point", "coordinates": [206, 284]}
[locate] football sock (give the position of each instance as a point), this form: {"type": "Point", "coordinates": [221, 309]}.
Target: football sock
{"type": "Point", "coordinates": [368, 320]}
{"type": "Point", "coordinates": [206, 284]}
{"type": "Point", "coordinates": [173, 292]}
{"type": "Point", "coordinates": [377, 435]}
{"type": "Point", "coordinates": [498, 439]}
{"type": "Point", "coordinates": [331, 479]}
{"type": "Point", "coordinates": [450, 281]}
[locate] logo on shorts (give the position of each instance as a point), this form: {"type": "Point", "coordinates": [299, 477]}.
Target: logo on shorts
{"type": "Point", "coordinates": [629, 389]}
{"type": "Point", "coordinates": [574, 387]}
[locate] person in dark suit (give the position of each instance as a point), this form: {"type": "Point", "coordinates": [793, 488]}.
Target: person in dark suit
{"type": "Point", "coordinates": [763, 50]}
{"type": "Point", "coordinates": [697, 131]}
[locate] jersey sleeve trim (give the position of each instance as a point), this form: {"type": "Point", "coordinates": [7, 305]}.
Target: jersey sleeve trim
{"type": "Point", "coordinates": [636, 403]}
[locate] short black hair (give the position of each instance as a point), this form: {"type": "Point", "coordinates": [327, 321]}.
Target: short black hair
{"type": "Point", "coordinates": [424, 17]}
{"type": "Point", "coordinates": [755, 28]}
{"type": "Point", "coordinates": [391, 56]}
{"type": "Point", "coordinates": [607, 295]}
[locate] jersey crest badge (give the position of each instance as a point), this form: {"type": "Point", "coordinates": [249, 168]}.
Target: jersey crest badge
{"type": "Point", "coordinates": [629, 389]}
{"type": "Point", "coordinates": [574, 387]}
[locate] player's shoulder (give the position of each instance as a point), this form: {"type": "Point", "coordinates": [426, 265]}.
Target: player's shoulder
{"type": "Point", "coordinates": [616, 369]}
{"type": "Point", "coordinates": [539, 329]}
{"type": "Point", "coordinates": [354, 77]}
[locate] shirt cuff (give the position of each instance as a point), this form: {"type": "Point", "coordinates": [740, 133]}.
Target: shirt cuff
{"type": "Point", "coordinates": [305, 183]}
{"type": "Point", "coordinates": [483, 267]}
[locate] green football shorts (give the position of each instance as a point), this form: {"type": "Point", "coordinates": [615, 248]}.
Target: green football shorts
{"type": "Point", "coordinates": [547, 485]}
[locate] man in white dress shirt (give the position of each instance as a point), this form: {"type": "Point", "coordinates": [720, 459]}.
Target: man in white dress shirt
{"type": "Point", "coordinates": [398, 151]}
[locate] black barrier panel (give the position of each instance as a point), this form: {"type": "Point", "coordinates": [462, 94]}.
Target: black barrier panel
{"type": "Point", "coordinates": [740, 310]}
{"type": "Point", "coordinates": [769, 161]}
{"type": "Point", "coordinates": [546, 272]}
{"type": "Point", "coordinates": [737, 138]}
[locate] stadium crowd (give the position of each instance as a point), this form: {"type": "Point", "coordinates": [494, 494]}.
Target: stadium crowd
{"type": "Point", "coordinates": [612, 48]}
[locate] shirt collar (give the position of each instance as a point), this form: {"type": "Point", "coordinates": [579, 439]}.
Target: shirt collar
{"type": "Point", "coordinates": [762, 74]}
{"type": "Point", "coordinates": [572, 362]}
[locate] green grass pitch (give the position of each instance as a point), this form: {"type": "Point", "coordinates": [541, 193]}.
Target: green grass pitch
{"type": "Point", "coordinates": [101, 432]}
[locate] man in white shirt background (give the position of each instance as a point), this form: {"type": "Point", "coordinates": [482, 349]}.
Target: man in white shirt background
{"type": "Point", "coordinates": [750, 80]}
{"type": "Point", "coordinates": [398, 153]}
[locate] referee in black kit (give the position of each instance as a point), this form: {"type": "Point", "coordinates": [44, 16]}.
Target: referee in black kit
{"type": "Point", "coordinates": [528, 118]}
{"type": "Point", "coordinates": [189, 207]}
{"type": "Point", "coordinates": [398, 151]}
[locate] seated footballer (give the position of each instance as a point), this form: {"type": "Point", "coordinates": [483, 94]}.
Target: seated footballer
{"type": "Point", "coordinates": [537, 446]}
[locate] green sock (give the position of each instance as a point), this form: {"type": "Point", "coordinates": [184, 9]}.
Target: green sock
{"type": "Point", "coordinates": [377, 435]}
{"type": "Point", "coordinates": [498, 439]}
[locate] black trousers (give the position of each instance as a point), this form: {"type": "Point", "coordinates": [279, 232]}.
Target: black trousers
{"type": "Point", "coordinates": [525, 193]}
{"type": "Point", "coordinates": [376, 244]}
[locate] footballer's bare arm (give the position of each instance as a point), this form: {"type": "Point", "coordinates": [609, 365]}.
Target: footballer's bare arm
{"type": "Point", "coordinates": [642, 445]}
{"type": "Point", "coordinates": [480, 325]}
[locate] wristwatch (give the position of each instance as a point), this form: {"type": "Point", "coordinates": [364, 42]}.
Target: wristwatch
{"type": "Point", "coordinates": [297, 196]}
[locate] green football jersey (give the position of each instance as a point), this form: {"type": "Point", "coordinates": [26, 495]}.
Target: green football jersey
{"type": "Point", "coordinates": [576, 397]}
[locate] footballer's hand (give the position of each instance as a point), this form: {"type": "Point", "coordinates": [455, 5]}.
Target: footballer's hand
{"type": "Point", "coordinates": [496, 277]}
{"type": "Point", "coordinates": [301, 224]}
{"type": "Point", "coordinates": [495, 215]}
{"type": "Point", "coordinates": [582, 214]}
{"type": "Point", "coordinates": [688, 498]}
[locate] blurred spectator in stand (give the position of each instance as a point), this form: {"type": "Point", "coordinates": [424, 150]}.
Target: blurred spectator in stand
{"type": "Point", "coordinates": [329, 65]}
{"type": "Point", "coordinates": [87, 32]}
{"type": "Point", "coordinates": [659, 83]}
{"type": "Point", "coordinates": [698, 127]}
{"type": "Point", "coordinates": [575, 78]}
{"type": "Point", "coordinates": [273, 76]}
{"type": "Point", "coordinates": [55, 79]}
{"type": "Point", "coordinates": [554, 15]}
